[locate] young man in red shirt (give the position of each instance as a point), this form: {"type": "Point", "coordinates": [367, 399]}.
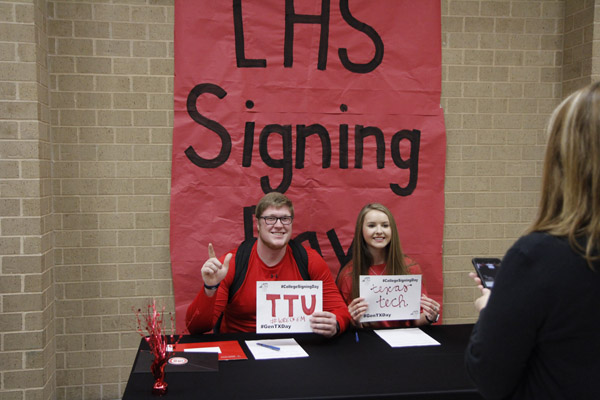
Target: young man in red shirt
{"type": "Point", "coordinates": [271, 259]}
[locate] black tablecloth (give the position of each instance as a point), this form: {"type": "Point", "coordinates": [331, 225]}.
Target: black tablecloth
{"type": "Point", "coordinates": [338, 368]}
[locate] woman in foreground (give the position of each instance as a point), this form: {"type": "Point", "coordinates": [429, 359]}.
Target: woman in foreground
{"type": "Point", "coordinates": [538, 333]}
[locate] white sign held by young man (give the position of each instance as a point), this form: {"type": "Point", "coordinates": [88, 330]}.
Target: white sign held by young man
{"type": "Point", "coordinates": [286, 306]}
{"type": "Point", "coordinates": [391, 297]}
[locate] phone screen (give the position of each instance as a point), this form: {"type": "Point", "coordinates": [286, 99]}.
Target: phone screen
{"type": "Point", "coordinates": [487, 269]}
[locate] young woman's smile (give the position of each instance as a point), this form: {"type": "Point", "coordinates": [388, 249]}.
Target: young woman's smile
{"type": "Point", "coordinates": [376, 230]}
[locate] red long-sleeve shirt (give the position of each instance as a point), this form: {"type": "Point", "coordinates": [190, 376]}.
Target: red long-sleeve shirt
{"type": "Point", "coordinates": [240, 314]}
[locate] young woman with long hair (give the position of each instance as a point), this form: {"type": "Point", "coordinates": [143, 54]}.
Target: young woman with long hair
{"type": "Point", "coordinates": [377, 251]}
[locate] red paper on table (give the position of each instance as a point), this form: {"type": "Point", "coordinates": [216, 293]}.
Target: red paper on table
{"type": "Point", "coordinates": [230, 349]}
{"type": "Point", "coordinates": [336, 104]}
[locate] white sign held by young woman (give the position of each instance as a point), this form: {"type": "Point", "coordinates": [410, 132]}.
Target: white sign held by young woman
{"type": "Point", "coordinates": [391, 297]}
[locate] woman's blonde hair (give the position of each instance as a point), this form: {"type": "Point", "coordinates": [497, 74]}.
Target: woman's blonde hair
{"type": "Point", "coordinates": [570, 198]}
{"type": "Point", "coordinates": [362, 259]}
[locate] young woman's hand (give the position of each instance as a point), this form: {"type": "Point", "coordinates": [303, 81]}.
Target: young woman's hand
{"type": "Point", "coordinates": [357, 309]}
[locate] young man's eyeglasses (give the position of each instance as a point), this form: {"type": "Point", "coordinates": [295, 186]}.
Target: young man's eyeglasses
{"type": "Point", "coordinates": [271, 220]}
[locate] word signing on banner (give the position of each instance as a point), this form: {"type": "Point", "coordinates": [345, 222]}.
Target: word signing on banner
{"type": "Point", "coordinates": [334, 103]}
{"type": "Point", "coordinates": [391, 297]}
{"type": "Point", "coordinates": [286, 306]}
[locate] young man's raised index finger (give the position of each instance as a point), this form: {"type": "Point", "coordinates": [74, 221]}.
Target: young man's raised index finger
{"type": "Point", "coordinates": [211, 251]}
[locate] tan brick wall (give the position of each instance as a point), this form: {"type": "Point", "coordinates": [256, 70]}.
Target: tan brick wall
{"type": "Point", "coordinates": [596, 42]}
{"type": "Point", "coordinates": [578, 42]}
{"type": "Point", "coordinates": [27, 337]}
{"type": "Point", "coordinates": [111, 79]}
{"type": "Point", "coordinates": [501, 79]}
{"type": "Point", "coordinates": [85, 142]}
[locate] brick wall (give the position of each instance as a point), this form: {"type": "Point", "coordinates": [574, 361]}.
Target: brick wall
{"type": "Point", "coordinates": [501, 79]}
{"type": "Point", "coordinates": [578, 38]}
{"type": "Point", "coordinates": [27, 325]}
{"type": "Point", "coordinates": [111, 75]}
{"type": "Point", "coordinates": [595, 49]}
{"type": "Point", "coordinates": [85, 139]}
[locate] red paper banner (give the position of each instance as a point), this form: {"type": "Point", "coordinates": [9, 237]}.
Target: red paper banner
{"type": "Point", "coordinates": [336, 104]}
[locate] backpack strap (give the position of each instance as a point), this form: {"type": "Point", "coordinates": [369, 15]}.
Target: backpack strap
{"type": "Point", "coordinates": [301, 257]}
{"type": "Point", "coordinates": [242, 258]}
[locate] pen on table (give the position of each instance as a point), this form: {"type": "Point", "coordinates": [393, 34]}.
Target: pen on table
{"type": "Point", "coordinates": [268, 346]}
{"type": "Point", "coordinates": [356, 335]}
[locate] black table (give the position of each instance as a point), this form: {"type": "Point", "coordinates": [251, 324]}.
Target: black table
{"type": "Point", "coordinates": [338, 368]}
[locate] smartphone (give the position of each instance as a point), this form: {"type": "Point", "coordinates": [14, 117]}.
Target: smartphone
{"type": "Point", "coordinates": [487, 269]}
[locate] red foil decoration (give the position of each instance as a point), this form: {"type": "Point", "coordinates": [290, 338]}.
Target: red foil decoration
{"type": "Point", "coordinates": [158, 371]}
{"type": "Point", "coordinates": [157, 341]}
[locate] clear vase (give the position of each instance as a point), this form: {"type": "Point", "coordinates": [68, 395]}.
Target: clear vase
{"type": "Point", "coordinates": [158, 371]}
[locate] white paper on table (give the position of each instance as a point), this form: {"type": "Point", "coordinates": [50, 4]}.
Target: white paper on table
{"type": "Point", "coordinates": [204, 350]}
{"type": "Point", "coordinates": [406, 337]}
{"type": "Point", "coordinates": [391, 297]}
{"type": "Point", "coordinates": [288, 348]}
